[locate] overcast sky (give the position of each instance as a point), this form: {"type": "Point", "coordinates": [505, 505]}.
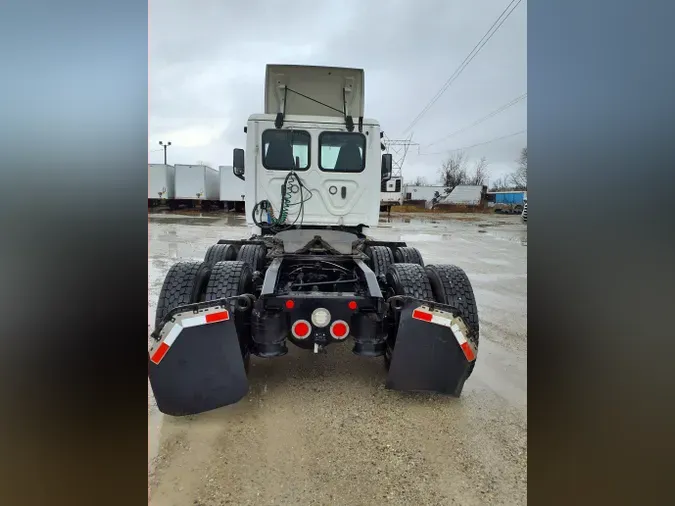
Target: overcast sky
{"type": "Point", "coordinates": [207, 69]}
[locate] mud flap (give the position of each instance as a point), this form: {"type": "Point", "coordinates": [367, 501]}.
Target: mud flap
{"type": "Point", "coordinates": [431, 353]}
{"type": "Point", "coordinates": [197, 364]}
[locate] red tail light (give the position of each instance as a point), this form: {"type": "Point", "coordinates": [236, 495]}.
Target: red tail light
{"type": "Point", "coordinates": [290, 304]}
{"type": "Point", "coordinates": [339, 329]}
{"type": "Point", "coordinates": [352, 305]}
{"type": "Point", "coordinates": [301, 329]}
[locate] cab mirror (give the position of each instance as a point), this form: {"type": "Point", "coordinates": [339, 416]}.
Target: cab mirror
{"type": "Point", "coordinates": [238, 163]}
{"type": "Point", "coordinates": [386, 166]}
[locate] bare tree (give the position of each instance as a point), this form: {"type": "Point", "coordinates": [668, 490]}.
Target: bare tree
{"type": "Point", "coordinates": [453, 171]}
{"type": "Point", "coordinates": [515, 181]}
{"type": "Point", "coordinates": [500, 184]}
{"type": "Point", "coordinates": [523, 158]}
{"type": "Point", "coordinates": [479, 176]}
{"type": "Point", "coordinates": [420, 181]}
{"type": "Point", "coordinates": [519, 178]}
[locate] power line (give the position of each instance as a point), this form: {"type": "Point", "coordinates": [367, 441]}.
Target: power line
{"type": "Point", "coordinates": [474, 145]}
{"type": "Point", "coordinates": [484, 118]}
{"type": "Point", "coordinates": [484, 40]}
{"type": "Point", "coordinates": [398, 148]}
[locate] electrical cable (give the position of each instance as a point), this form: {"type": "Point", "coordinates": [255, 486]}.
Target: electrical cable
{"type": "Point", "coordinates": [474, 145]}
{"type": "Point", "coordinates": [481, 120]}
{"type": "Point", "coordinates": [477, 48]}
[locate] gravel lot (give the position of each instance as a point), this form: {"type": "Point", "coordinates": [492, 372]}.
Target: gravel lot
{"type": "Point", "coordinates": [321, 429]}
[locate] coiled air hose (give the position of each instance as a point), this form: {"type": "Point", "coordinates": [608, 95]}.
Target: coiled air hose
{"type": "Point", "coordinates": [286, 196]}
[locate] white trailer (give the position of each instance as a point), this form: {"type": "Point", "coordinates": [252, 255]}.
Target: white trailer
{"type": "Point", "coordinates": [232, 189]}
{"type": "Point", "coordinates": [161, 183]}
{"type": "Point", "coordinates": [391, 193]}
{"type": "Point", "coordinates": [196, 184]}
{"type": "Point", "coordinates": [422, 192]}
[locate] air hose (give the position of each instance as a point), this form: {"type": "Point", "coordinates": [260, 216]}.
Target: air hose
{"type": "Point", "coordinates": [286, 197]}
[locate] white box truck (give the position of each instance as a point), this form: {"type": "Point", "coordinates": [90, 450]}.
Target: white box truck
{"type": "Point", "coordinates": [161, 183]}
{"type": "Point", "coordinates": [196, 184]}
{"type": "Point", "coordinates": [232, 189]}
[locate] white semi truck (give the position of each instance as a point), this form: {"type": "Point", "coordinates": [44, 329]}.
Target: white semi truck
{"type": "Point", "coordinates": [309, 273]}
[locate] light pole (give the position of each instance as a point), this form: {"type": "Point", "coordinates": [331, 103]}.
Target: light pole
{"type": "Point", "coordinates": [165, 146]}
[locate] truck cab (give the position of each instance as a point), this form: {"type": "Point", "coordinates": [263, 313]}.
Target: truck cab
{"type": "Point", "coordinates": [313, 128]}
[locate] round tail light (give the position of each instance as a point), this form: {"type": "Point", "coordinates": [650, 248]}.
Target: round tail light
{"type": "Point", "coordinates": [301, 329]}
{"type": "Point", "coordinates": [320, 317]}
{"type": "Point", "coordinates": [339, 329]}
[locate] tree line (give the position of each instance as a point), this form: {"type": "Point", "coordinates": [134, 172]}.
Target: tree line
{"type": "Point", "coordinates": [456, 170]}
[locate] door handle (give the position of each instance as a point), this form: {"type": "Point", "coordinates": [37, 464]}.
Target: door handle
{"type": "Point", "coordinates": [343, 192]}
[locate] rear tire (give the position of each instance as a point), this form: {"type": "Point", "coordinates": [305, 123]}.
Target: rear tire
{"type": "Point", "coordinates": [183, 284]}
{"type": "Point", "coordinates": [408, 255]}
{"type": "Point", "coordinates": [381, 257]}
{"type": "Point", "coordinates": [229, 279]}
{"type": "Point", "coordinates": [220, 253]}
{"type": "Point", "coordinates": [410, 280]}
{"type": "Point", "coordinates": [451, 286]}
{"type": "Point", "coordinates": [253, 255]}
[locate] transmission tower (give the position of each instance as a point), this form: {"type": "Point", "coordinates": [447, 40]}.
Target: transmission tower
{"type": "Point", "coordinates": [398, 148]}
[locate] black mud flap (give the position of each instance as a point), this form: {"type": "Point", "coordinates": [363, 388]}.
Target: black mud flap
{"type": "Point", "coordinates": [431, 353]}
{"type": "Point", "coordinates": [197, 365]}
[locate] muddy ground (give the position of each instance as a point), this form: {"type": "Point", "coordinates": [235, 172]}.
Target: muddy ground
{"type": "Point", "coordinates": [321, 429]}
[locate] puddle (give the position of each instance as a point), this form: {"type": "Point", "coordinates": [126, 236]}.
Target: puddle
{"type": "Point", "coordinates": [425, 237]}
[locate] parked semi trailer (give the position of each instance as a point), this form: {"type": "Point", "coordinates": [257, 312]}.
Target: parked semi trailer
{"type": "Point", "coordinates": [309, 273]}
{"type": "Point", "coordinates": [232, 189]}
{"type": "Point", "coordinates": [391, 193]}
{"type": "Point", "coordinates": [161, 183]}
{"type": "Point", "coordinates": [196, 185]}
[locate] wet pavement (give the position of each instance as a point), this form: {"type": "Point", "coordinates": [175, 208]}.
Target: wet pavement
{"type": "Point", "coordinates": [321, 429]}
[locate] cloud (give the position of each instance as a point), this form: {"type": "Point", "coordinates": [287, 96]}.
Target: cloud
{"type": "Point", "coordinates": [208, 57]}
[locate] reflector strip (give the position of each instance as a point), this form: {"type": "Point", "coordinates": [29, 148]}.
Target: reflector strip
{"type": "Point", "coordinates": [173, 334]}
{"type": "Point", "coordinates": [217, 317]}
{"type": "Point", "coordinates": [446, 320]}
{"type": "Point", "coordinates": [204, 319]}
{"type": "Point", "coordinates": [422, 315]}
{"type": "Point", "coordinates": [159, 354]}
{"type": "Point", "coordinates": [468, 352]}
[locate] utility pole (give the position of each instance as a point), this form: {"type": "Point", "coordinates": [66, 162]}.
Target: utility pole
{"type": "Point", "coordinates": [165, 146]}
{"type": "Point", "coordinates": [398, 148]}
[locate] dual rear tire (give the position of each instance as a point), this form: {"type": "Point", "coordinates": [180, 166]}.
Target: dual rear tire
{"type": "Point", "coordinates": [191, 282]}
{"type": "Point", "coordinates": [446, 284]}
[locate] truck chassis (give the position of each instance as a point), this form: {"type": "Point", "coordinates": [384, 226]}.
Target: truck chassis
{"type": "Point", "coordinates": [312, 287]}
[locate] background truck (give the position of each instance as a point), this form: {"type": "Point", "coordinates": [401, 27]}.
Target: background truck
{"type": "Point", "coordinates": [391, 193]}
{"type": "Point", "coordinates": [506, 202]}
{"type": "Point", "coordinates": [161, 183]}
{"type": "Point", "coordinates": [309, 274]}
{"type": "Point", "coordinates": [232, 190]}
{"type": "Point", "coordinates": [196, 185]}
